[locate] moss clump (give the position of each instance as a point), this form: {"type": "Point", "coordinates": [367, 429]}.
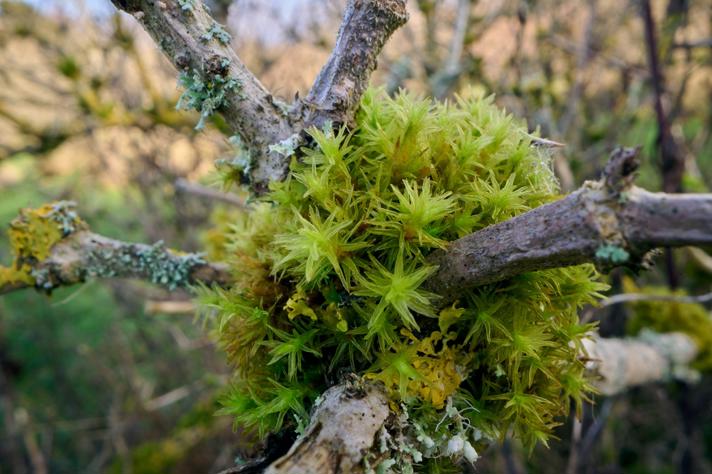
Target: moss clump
{"type": "Point", "coordinates": [691, 319]}
{"type": "Point", "coordinates": [330, 265]}
{"type": "Point", "coordinates": [32, 235]}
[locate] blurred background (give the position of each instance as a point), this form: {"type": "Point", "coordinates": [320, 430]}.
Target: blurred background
{"type": "Point", "coordinates": [117, 376]}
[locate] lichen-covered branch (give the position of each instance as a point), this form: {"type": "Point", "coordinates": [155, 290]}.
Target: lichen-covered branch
{"type": "Point", "coordinates": [337, 91]}
{"type": "Point", "coordinates": [53, 247]}
{"type": "Point", "coordinates": [609, 222]}
{"type": "Point", "coordinates": [619, 364]}
{"type": "Point", "coordinates": [216, 80]}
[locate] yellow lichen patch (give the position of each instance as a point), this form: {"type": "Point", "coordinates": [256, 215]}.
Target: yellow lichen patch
{"type": "Point", "coordinates": [32, 235]}
{"type": "Point", "coordinates": [297, 306]}
{"type": "Point", "coordinates": [429, 368]}
{"type": "Point", "coordinates": [12, 276]}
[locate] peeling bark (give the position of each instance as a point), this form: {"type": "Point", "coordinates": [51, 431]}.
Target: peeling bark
{"type": "Point", "coordinates": [342, 432]}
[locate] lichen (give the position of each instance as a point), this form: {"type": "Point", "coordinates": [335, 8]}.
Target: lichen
{"type": "Point", "coordinates": [32, 235]}
{"type": "Point", "coordinates": [187, 5]}
{"type": "Point", "coordinates": [329, 267]}
{"type": "Point", "coordinates": [207, 97]}
{"type": "Point", "coordinates": [611, 253]}
{"type": "Point", "coordinates": [218, 33]}
{"type": "Point", "coordinates": [154, 262]}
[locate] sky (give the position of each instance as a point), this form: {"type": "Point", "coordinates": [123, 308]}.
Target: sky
{"type": "Point", "coordinates": [96, 6]}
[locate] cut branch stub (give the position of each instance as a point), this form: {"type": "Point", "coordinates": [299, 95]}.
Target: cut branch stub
{"type": "Point", "coordinates": [337, 91]}
{"type": "Point", "coordinates": [342, 431]}
{"type": "Point", "coordinates": [609, 222]}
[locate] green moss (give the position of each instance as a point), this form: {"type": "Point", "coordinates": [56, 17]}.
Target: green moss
{"type": "Point", "coordinates": [691, 319]}
{"type": "Point", "coordinates": [32, 235]}
{"type": "Point", "coordinates": [329, 266]}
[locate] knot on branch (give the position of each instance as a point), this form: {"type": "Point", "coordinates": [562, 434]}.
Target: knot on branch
{"type": "Point", "coordinates": [604, 203]}
{"type": "Point", "coordinates": [619, 173]}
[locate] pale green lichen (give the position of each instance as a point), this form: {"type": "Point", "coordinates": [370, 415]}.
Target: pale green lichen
{"type": "Point", "coordinates": [187, 5]}
{"type": "Point", "coordinates": [611, 253]}
{"type": "Point", "coordinates": [157, 264]}
{"type": "Point", "coordinates": [218, 33]}
{"type": "Point", "coordinates": [207, 97]}
{"type": "Point", "coordinates": [286, 147]}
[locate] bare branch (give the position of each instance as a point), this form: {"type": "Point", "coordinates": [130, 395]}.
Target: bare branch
{"type": "Point", "coordinates": [608, 222]}
{"type": "Point", "coordinates": [620, 364]}
{"type": "Point", "coordinates": [633, 297]}
{"type": "Point", "coordinates": [199, 48]}
{"type": "Point", "coordinates": [185, 186]}
{"type": "Point", "coordinates": [337, 91]}
{"type": "Point", "coordinates": [82, 255]}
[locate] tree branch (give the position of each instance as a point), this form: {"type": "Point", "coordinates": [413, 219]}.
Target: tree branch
{"type": "Point", "coordinates": [337, 91]}
{"type": "Point", "coordinates": [84, 254]}
{"type": "Point", "coordinates": [609, 222]}
{"type": "Point", "coordinates": [619, 364]}
{"type": "Point", "coordinates": [199, 49]}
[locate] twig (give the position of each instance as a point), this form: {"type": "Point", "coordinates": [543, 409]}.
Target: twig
{"type": "Point", "coordinates": [169, 307]}
{"type": "Point", "coordinates": [185, 186]}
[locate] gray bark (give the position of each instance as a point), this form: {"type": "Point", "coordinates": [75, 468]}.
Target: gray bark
{"type": "Point", "coordinates": [609, 222]}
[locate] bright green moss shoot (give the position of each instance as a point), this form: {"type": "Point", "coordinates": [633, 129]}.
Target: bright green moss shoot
{"type": "Point", "coordinates": [330, 265]}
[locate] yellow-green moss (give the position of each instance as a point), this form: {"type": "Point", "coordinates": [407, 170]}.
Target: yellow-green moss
{"type": "Point", "coordinates": [691, 319]}
{"type": "Point", "coordinates": [330, 263]}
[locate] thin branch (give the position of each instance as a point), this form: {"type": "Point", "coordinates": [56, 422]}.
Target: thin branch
{"type": "Point", "coordinates": [337, 91]}
{"type": "Point", "coordinates": [609, 222]}
{"type": "Point", "coordinates": [633, 297]}
{"type": "Point", "coordinates": [702, 43]}
{"type": "Point", "coordinates": [84, 255]}
{"type": "Point", "coordinates": [185, 186]}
